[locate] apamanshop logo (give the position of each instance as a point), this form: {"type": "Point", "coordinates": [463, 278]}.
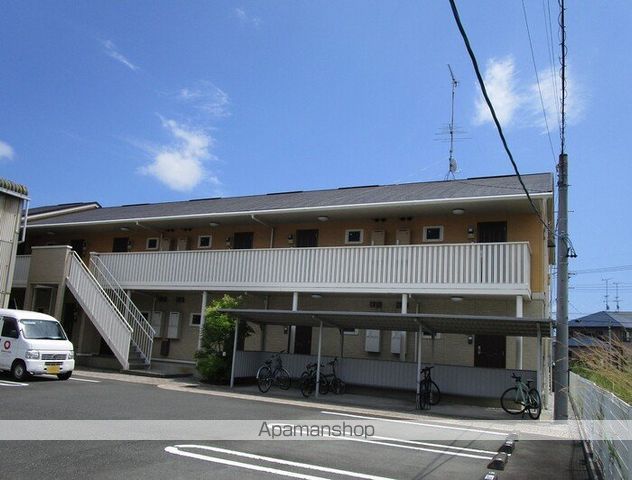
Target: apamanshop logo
{"type": "Point", "coordinates": [290, 431]}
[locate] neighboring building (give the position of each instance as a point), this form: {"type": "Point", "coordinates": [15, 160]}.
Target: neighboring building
{"type": "Point", "coordinates": [13, 202]}
{"type": "Point", "coordinates": [467, 261]}
{"type": "Point", "coordinates": [597, 329]}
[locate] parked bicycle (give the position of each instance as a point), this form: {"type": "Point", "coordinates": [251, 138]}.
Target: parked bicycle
{"type": "Point", "coordinates": [268, 376]}
{"type": "Point", "coordinates": [523, 397]}
{"type": "Point", "coordinates": [333, 382]}
{"type": "Point", "coordinates": [429, 393]}
{"type": "Point", "coordinates": [308, 381]}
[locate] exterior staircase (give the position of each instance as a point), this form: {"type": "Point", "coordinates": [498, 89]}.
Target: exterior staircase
{"type": "Point", "coordinates": [119, 322]}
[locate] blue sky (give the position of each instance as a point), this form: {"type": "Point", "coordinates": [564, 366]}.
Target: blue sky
{"type": "Point", "coordinates": [136, 101]}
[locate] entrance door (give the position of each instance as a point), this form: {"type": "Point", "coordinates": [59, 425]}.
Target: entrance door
{"type": "Point", "coordinates": [307, 238]}
{"type": "Point", "coordinates": [120, 244]}
{"type": "Point", "coordinates": [303, 340]}
{"type": "Point", "coordinates": [489, 351]}
{"type": "Point", "coordinates": [492, 232]}
{"type": "Point", "coordinates": [242, 240]}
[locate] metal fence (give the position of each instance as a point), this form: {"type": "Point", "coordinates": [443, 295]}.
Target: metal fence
{"type": "Point", "coordinates": [590, 402]}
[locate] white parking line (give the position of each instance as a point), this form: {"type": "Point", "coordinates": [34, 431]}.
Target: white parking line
{"type": "Point", "coordinates": [9, 383]}
{"type": "Point", "coordinates": [84, 380]}
{"type": "Point", "coordinates": [176, 451]}
{"type": "Point", "coordinates": [427, 444]}
{"type": "Point", "coordinates": [409, 422]}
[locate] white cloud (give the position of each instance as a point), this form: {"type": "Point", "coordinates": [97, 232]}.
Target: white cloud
{"type": "Point", "coordinates": [245, 18]}
{"type": "Point", "coordinates": [111, 51]}
{"type": "Point", "coordinates": [500, 79]}
{"type": "Point", "coordinates": [518, 102]}
{"type": "Point", "coordinates": [181, 165]}
{"type": "Point", "coordinates": [6, 152]}
{"type": "Point", "coordinates": [550, 84]}
{"type": "Point", "coordinates": [207, 97]}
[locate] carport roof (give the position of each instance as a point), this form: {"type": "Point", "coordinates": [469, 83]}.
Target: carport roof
{"type": "Point", "coordinates": [432, 323]}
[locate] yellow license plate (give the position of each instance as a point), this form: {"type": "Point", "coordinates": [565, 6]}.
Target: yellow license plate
{"type": "Point", "coordinates": [53, 369]}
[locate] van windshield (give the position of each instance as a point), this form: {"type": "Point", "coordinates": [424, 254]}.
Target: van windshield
{"type": "Point", "coordinates": [42, 330]}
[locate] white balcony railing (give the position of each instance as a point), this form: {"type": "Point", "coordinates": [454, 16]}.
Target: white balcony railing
{"type": "Point", "coordinates": [473, 268]}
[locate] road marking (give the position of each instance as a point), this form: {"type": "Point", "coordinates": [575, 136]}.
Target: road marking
{"type": "Point", "coordinates": [176, 451]}
{"type": "Point", "coordinates": [436, 446]}
{"type": "Point", "coordinates": [9, 383]}
{"type": "Point", "coordinates": [408, 422]}
{"type": "Point", "coordinates": [84, 380]}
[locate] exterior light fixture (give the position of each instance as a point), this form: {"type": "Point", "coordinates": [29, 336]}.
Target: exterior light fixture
{"type": "Point", "coordinates": [124, 229]}
{"type": "Point", "coordinates": [214, 224]}
{"type": "Point", "coordinates": [316, 295]}
{"type": "Point", "coordinates": [456, 299]}
{"type": "Point", "coordinates": [458, 211]}
{"type": "Point", "coordinates": [323, 218]}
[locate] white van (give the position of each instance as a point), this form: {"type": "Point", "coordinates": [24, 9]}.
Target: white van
{"type": "Point", "coordinates": [33, 343]}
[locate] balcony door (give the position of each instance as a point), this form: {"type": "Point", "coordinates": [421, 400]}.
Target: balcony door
{"type": "Point", "coordinates": [243, 240]}
{"type": "Point", "coordinates": [307, 238]}
{"type": "Point", "coordinates": [489, 351]}
{"type": "Point", "coordinates": [119, 244]}
{"type": "Point", "coordinates": [492, 232]}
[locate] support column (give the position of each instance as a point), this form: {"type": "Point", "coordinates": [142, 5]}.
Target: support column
{"type": "Point", "coordinates": [538, 377]}
{"type": "Point", "coordinates": [320, 341]}
{"type": "Point", "coordinates": [232, 368]}
{"type": "Point", "coordinates": [519, 340]}
{"type": "Point", "coordinates": [202, 313]}
{"type": "Point", "coordinates": [342, 342]}
{"type": "Point", "coordinates": [291, 334]}
{"type": "Point", "coordinates": [402, 338]}
{"type": "Point", "coordinates": [432, 349]}
{"type": "Point", "coordinates": [419, 338]}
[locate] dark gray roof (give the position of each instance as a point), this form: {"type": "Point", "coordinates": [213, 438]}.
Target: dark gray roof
{"type": "Point", "coordinates": [603, 319]}
{"type": "Point", "coordinates": [365, 195]}
{"type": "Point", "coordinates": [59, 208]}
{"type": "Point", "coordinates": [584, 341]}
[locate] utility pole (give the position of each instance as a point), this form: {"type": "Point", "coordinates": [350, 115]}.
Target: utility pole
{"type": "Point", "coordinates": [560, 379]}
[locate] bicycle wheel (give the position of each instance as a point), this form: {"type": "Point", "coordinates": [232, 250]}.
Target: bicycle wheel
{"type": "Point", "coordinates": [510, 402]}
{"type": "Point", "coordinates": [423, 397]}
{"type": "Point", "coordinates": [435, 393]}
{"type": "Point", "coordinates": [338, 386]}
{"type": "Point", "coordinates": [308, 385]}
{"type": "Point", "coordinates": [323, 385]}
{"type": "Point", "coordinates": [282, 378]}
{"type": "Point", "coordinates": [534, 404]}
{"type": "Point", "coordinates": [264, 379]}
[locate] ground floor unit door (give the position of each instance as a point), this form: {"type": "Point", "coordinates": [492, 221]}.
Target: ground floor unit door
{"type": "Point", "coordinates": [489, 351]}
{"type": "Point", "coordinates": [303, 340]}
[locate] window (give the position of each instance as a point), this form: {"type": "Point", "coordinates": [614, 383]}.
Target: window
{"type": "Point", "coordinates": [204, 241]}
{"type": "Point", "coordinates": [350, 331]}
{"type": "Point", "coordinates": [433, 234]}
{"type": "Point", "coordinates": [196, 320]}
{"type": "Point", "coordinates": [152, 243]}
{"type": "Point", "coordinates": [9, 328]}
{"type": "Point", "coordinates": [354, 237]}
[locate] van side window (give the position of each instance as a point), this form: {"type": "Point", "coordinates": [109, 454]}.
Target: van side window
{"type": "Point", "coordinates": [9, 328]}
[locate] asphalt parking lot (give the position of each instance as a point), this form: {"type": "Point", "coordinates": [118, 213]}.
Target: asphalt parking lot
{"type": "Point", "coordinates": [87, 396]}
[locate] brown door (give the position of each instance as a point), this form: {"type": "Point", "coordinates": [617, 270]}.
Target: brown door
{"type": "Point", "coordinates": [303, 340]}
{"type": "Point", "coordinates": [489, 351]}
{"type": "Point", "coordinates": [492, 232]}
{"type": "Point", "coordinates": [307, 238]}
{"type": "Point", "coordinates": [120, 244]}
{"type": "Point", "coordinates": [243, 240]}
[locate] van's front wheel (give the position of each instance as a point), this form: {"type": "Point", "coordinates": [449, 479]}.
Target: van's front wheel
{"type": "Point", "coordinates": [65, 375]}
{"type": "Point", "coordinates": [18, 370]}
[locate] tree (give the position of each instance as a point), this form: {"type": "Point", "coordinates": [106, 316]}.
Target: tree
{"type": "Point", "coordinates": [218, 334]}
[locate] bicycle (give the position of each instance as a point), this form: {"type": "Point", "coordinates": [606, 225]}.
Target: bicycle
{"type": "Point", "coordinates": [266, 376]}
{"type": "Point", "coordinates": [429, 393]}
{"type": "Point", "coordinates": [523, 397]}
{"type": "Point", "coordinates": [308, 381]}
{"type": "Point", "coordinates": [333, 383]}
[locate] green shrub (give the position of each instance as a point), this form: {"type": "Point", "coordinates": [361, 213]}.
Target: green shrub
{"type": "Point", "coordinates": [214, 359]}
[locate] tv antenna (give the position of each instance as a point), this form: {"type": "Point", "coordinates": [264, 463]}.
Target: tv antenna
{"type": "Point", "coordinates": [616, 298]}
{"type": "Point", "coordinates": [452, 168]}
{"type": "Point", "coordinates": [607, 296]}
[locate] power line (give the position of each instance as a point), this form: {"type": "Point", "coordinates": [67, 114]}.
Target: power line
{"type": "Point", "coordinates": [537, 77]}
{"type": "Point", "coordinates": [470, 51]}
{"type": "Point", "coordinates": [616, 268]}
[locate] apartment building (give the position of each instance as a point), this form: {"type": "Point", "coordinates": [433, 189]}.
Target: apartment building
{"type": "Point", "coordinates": [13, 201]}
{"type": "Point", "coordinates": [454, 273]}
